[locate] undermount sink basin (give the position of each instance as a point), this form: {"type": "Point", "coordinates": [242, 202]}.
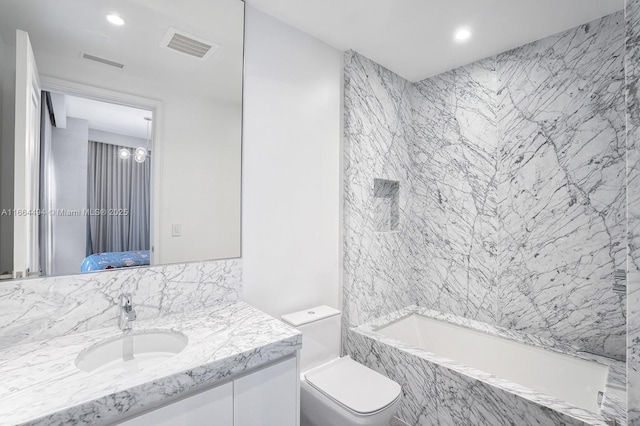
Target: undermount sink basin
{"type": "Point", "coordinates": [132, 351]}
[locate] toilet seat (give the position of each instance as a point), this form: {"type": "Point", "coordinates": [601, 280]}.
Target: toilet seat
{"type": "Point", "coordinates": [355, 387]}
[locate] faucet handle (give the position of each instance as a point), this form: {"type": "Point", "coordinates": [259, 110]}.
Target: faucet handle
{"type": "Point", "coordinates": [125, 301]}
{"type": "Point", "coordinates": [127, 314]}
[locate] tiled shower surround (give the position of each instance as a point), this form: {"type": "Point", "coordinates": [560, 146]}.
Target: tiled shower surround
{"type": "Point", "coordinates": [632, 69]}
{"type": "Point", "coordinates": [511, 175]}
{"type": "Point", "coordinates": [562, 187]}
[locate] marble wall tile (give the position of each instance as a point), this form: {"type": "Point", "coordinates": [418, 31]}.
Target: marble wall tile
{"type": "Point", "coordinates": [377, 118]}
{"type": "Point", "coordinates": [561, 190]}
{"type": "Point", "coordinates": [464, 400]}
{"type": "Point", "coordinates": [632, 67]}
{"type": "Point", "coordinates": [417, 377]}
{"type": "Point", "coordinates": [43, 308]}
{"type": "Point", "coordinates": [453, 218]}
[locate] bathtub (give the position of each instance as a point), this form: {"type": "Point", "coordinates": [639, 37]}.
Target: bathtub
{"type": "Point", "coordinates": [456, 371]}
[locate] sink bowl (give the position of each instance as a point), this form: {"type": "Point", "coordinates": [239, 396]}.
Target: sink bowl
{"type": "Point", "coordinates": [132, 351]}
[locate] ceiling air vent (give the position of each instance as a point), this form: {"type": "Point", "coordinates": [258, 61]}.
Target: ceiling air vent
{"type": "Point", "coordinates": [102, 60]}
{"type": "Point", "coordinates": [189, 44]}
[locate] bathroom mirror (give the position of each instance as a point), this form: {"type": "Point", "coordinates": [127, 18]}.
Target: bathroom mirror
{"type": "Point", "coordinates": [170, 77]}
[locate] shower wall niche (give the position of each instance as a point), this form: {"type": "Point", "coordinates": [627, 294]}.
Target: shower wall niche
{"type": "Point", "coordinates": [386, 209]}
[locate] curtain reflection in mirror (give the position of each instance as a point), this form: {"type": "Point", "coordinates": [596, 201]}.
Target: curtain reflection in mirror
{"type": "Point", "coordinates": [118, 192]}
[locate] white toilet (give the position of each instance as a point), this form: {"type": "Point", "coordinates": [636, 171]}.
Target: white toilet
{"type": "Point", "coordinates": [338, 391]}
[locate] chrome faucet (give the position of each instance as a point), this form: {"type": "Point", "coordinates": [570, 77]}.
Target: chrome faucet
{"type": "Point", "coordinates": [127, 313]}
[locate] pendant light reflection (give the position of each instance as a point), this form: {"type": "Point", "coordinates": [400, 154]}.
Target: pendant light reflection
{"type": "Point", "coordinates": [124, 153]}
{"type": "Point", "coordinates": [141, 153]}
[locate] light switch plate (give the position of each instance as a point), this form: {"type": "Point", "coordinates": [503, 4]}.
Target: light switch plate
{"type": "Point", "coordinates": [176, 230]}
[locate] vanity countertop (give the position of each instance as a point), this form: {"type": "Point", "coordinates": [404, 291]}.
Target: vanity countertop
{"type": "Point", "coordinates": [40, 384]}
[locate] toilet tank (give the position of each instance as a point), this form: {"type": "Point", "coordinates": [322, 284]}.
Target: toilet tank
{"type": "Point", "coordinates": [320, 327]}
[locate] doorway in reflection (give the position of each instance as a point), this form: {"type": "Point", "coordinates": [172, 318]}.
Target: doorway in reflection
{"type": "Point", "coordinates": [95, 195]}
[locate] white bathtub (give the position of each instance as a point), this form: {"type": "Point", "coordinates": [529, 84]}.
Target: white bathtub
{"type": "Point", "coordinates": [567, 378]}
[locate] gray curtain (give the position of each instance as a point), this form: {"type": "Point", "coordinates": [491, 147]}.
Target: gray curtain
{"type": "Point", "coordinates": [116, 185]}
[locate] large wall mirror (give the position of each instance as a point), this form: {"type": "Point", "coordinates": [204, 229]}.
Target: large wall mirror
{"type": "Point", "coordinates": [121, 133]}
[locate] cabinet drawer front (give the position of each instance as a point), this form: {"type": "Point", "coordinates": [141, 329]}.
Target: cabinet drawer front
{"type": "Point", "coordinates": [267, 397]}
{"type": "Point", "coordinates": [211, 407]}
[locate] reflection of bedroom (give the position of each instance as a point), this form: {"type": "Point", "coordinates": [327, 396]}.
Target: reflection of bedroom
{"type": "Point", "coordinates": [96, 169]}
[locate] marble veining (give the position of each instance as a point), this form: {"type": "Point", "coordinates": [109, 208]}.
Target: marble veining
{"type": "Point", "coordinates": [377, 117]}
{"type": "Point", "coordinates": [453, 222]}
{"type": "Point", "coordinates": [43, 308]}
{"type": "Point", "coordinates": [464, 395]}
{"type": "Point", "coordinates": [561, 186]}
{"type": "Point", "coordinates": [42, 386]}
{"type": "Point", "coordinates": [632, 11]}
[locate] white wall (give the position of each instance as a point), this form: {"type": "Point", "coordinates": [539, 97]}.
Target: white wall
{"type": "Point", "coordinates": [200, 179]}
{"type": "Point", "coordinates": [291, 186]}
{"type": "Point", "coordinates": [69, 159]}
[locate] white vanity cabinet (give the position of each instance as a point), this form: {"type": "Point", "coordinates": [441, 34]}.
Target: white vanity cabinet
{"type": "Point", "coordinates": [265, 397]}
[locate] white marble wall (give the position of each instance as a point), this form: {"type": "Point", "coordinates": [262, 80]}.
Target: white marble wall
{"type": "Point", "coordinates": [453, 221]}
{"type": "Point", "coordinates": [561, 186]}
{"type": "Point", "coordinates": [377, 124]}
{"type": "Point", "coordinates": [512, 177]}
{"type": "Point", "coordinates": [633, 210]}
{"type": "Point", "coordinates": [42, 308]}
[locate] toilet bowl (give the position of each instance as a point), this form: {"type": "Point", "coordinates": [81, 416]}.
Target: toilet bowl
{"type": "Point", "coordinates": [344, 392]}
{"type": "Point", "coordinates": [338, 391]}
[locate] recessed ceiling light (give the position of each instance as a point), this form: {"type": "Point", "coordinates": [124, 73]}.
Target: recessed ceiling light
{"type": "Point", "coordinates": [462, 34]}
{"type": "Point", "coordinates": [115, 20]}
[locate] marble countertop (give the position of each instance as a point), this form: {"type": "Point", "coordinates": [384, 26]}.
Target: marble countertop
{"type": "Point", "coordinates": [41, 385]}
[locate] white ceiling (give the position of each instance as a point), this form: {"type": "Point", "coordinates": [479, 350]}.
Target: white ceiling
{"type": "Point", "coordinates": [414, 38]}
{"type": "Point", "coordinates": [108, 117]}
{"type": "Point", "coordinates": [61, 30]}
